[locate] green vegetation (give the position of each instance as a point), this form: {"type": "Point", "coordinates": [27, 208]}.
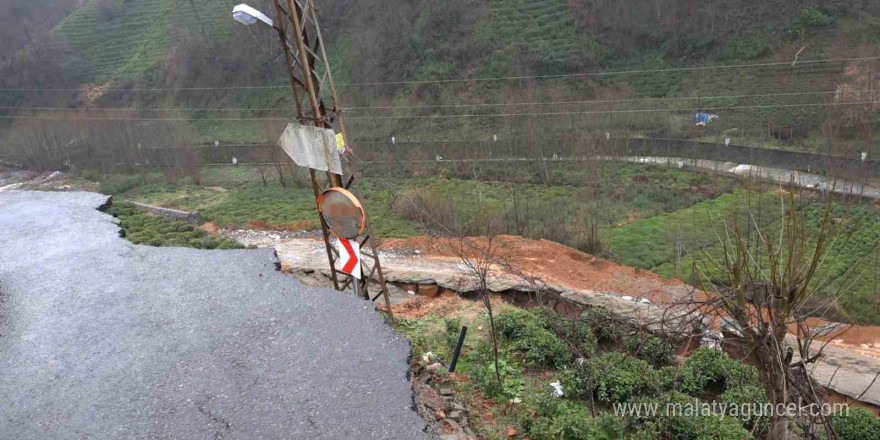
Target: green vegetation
{"type": "Point", "coordinates": [619, 378]}
{"type": "Point", "coordinates": [530, 335]}
{"type": "Point", "coordinates": [536, 350]}
{"type": "Point", "coordinates": [580, 208]}
{"type": "Point", "coordinates": [139, 227]}
{"type": "Point", "coordinates": [848, 271]}
{"type": "Point", "coordinates": [546, 28]}
{"type": "Point", "coordinates": [653, 350]}
{"type": "Point", "coordinates": [243, 205]}
{"type": "Point", "coordinates": [654, 243]}
{"type": "Point", "coordinates": [860, 424]}
{"type": "Point", "coordinates": [563, 211]}
{"type": "Point", "coordinates": [653, 217]}
{"type": "Point", "coordinates": [124, 39]}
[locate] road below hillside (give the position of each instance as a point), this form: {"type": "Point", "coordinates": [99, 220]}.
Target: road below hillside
{"type": "Point", "coordinates": [103, 339]}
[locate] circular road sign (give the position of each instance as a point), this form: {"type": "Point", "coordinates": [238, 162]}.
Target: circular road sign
{"type": "Point", "coordinates": [342, 212]}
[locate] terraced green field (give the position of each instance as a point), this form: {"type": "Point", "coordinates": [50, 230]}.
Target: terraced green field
{"type": "Point", "coordinates": [134, 38]}
{"type": "Point", "coordinates": [546, 27]}
{"type": "Point", "coordinates": [848, 272]}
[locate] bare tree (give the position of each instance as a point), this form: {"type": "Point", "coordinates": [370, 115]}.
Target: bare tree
{"type": "Point", "coordinates": [479, 263]}
{"type": "Point", "coordinates": [765, 285]}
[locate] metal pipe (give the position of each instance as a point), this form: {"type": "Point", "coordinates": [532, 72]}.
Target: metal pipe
{"type": "Point", "coordinates": [458, 349]}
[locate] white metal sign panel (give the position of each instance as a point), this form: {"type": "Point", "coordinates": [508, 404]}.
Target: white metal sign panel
{"type": "Point", "coordinates": [311, 147]}
{"type": "Point", "coordinates": [349, 261]}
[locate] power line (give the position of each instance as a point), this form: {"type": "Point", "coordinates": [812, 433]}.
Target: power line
{"type": "Point", "coordinates": [459, 80]}
{"type": "Point", "coordinates": [136, 109]}
{"type": "Point", "coordinates": [477, 115]}
{"type": "Point", "coordinates": [495, 115]}
{"type": "Point", "coordinates": [591, 101]}
{"type": "Point", "coordinates": [619, 72]}
{"type": "Point", "coordinates": [476, 105]}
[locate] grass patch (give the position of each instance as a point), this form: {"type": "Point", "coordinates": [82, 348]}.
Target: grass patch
{"type": "Point", "coordinates": [669, 245]}
{"type": "Point", "coordinates": [655, 241]}
{"type": "Point", "coordinates": [848, 272]}
{"type": "Point", "coordinates": [271, 206]}
{"type": "Point", "coordinates": [583, 197]}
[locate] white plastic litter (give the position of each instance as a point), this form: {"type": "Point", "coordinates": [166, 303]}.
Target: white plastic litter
{"type": "Point", "coordinates": [557, 388]}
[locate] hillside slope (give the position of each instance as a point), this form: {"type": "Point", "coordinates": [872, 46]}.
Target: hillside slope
{"type": "Point", "coordinates": [185, 44]}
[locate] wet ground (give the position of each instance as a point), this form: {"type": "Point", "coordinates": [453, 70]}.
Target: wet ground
{"type": "Point", "coordinates": [100, 339]}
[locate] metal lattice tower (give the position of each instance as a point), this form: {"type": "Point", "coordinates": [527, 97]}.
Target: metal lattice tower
{"type": "Point", "coordinates": [310, 80]}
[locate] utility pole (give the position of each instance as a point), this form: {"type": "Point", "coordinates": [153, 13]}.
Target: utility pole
{"type": "Point", "coordinates": [310, 79]}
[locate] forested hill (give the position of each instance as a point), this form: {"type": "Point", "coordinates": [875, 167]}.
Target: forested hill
{"type": "Point", "coordinates": [107, 47]}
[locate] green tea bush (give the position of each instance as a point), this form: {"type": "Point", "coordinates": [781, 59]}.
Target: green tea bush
{"type": "Point", "coordinates": [688, 427]}
{"type": "Point", "coordinates": [139, 227]}
{"type": "Point", "coordinates": [651, 349]}
{"type": "Point", "coordinates": [859, 424]}
{"type": "Point", "coordinates": [118, 184]}
{"type": "Point", "coordinates": [577, 334]}
{"type": "Point", "coordinates": [528, 332]}
{"type": "Point", "coordinates": [736, 395]}
{"type": "Point", "coordinates": [619, 377]}
{"type": "Point", "coordinates": [607, 326]}
{"type": "Point", "coordinates": [560, 419]}
{"type": "Point", "coordinates": [710, 370]}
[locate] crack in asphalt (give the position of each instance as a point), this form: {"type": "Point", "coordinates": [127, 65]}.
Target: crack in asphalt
{"type": "Point", "coordinates": [224, 425]}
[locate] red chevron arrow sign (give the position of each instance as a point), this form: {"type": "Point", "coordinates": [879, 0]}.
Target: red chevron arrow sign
{"type": "Point", "coordinates": [349, 261]}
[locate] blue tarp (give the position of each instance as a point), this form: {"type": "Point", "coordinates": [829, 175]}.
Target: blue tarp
{"type": "Point", "coordinates": [703, 118]}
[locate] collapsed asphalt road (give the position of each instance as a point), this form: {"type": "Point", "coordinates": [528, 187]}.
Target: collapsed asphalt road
{"type": "Point", "coordinates": [102, 339]}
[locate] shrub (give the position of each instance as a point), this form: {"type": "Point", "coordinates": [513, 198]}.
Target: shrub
{"type": "Point", "coordinates": [736, 395]}
{"type": "Point", "coordinates": [113, 185]}
{"type": "Point", "coordinates": [859, 424]}
{"type": "Point", "coordinates": [708, 369]}
{"type": "Point", "coordinates": [139, 227]}
{"type": "Point", "coordinates": [577, 333]}
{"type": "Point", "coordinates": [483, 374]}
{"type": "Point", "coordinates": [649, 348]}
{"type": "Point", "coordinates": [228, 244]}
{"type": "Point", "coordinates": [816, 17]}
{"type": "Point", "coordinates": [552, 418]}
{"type": "Point", "coordinates": [619, 377]}
{"type": "Point", "coordinates": [606, 325]}
{"type": "Point", "coordinates": [683, 426]}
{"type": "Point", "coordinates": [747, 46]}
{"type": "Point", "coordinates": [577, 380]}
{"type": "Point", "coordinates": [527, 332]}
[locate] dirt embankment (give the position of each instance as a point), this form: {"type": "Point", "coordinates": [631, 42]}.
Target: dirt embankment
{"type": "Point", "coordinates": [521, 264]}
{"type": "Point", "coordinates": [551, 262]}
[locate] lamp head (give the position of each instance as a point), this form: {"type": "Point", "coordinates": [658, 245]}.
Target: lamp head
{"type": "Point", "coordinates": [247, 15]}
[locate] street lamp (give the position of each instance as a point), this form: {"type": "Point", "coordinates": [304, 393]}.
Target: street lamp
{"type": "Point", "coordinates": [247, 16]}
{"type": "Point", "coordinates": [302, 54]}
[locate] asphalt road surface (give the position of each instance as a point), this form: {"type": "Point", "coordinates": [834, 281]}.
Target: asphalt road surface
{"type": "Point", "coordinates": [102, 339]}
